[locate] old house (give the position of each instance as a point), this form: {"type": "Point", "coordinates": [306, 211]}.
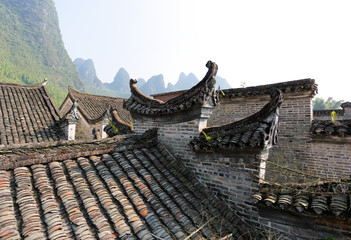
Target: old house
{"type": "Point", "coordinates": [311, 159]}
{"type": "Point", "coordinates": [29, 116]}
{"type": "Point", "coordinates": [114, 188]}
{"type": "Point", "coordinates": [97, 112]}
{"type": "Point", "coordinates": [175, 177]}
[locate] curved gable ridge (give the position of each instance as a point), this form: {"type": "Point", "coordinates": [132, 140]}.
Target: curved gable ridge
{"type": "Point", "coordinates": [257, 130]}
{"type": "Point", "coordinates": [202, 94]}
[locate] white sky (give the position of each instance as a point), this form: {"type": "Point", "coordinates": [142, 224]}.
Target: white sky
{"type": "Point", "coordinates": [256, 42]}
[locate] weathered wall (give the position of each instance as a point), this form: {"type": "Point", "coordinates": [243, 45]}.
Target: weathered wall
{"type": "Point", "coordinates": [295, 148]}
{"type": "Point", "coordinates": [84, 130]}
{"type": "Point", "coordinates": [232, 176]}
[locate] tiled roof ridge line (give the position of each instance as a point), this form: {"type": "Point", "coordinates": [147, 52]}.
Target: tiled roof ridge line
{"type": "Point", "coordinates": [307, 84]}
{"type": "Point", "coordinates": [277, 98]}
{"type": "Point", "coordinates": [37, 85]}
{"type": "Point", "coordinates": [72, 90]}
{"type": "Point", "coordinates": [19, 158]}
{"type": "Point", "coordinates": [43, 145]}
{"type": "Point", "coordinates": [51, 101]}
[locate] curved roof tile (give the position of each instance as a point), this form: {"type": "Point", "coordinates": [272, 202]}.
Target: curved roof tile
{"type": "Point", "coordinates": [138, 190]}
{"type": "Point", "coordinates": [140, 104]}
{"type": "Point", "coordinates": [257, 130]}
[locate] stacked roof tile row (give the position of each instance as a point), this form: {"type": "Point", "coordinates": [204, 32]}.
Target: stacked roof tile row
{"type": "Point", "coordinates": [138, 103]}
{"type": "Point", "coordinates": [327, 198]}
{"type": "Point", "coordinates": [141, 193]}
{"type": "Point", "coordinates": [328, 128]}
{"type": "Point", "coordinates": [258, 130]}
{"type": "Point", "coordinates": [27, 115]}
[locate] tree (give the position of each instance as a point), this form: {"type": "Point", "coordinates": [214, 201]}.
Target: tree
{"type": "Point", "coordinates": [330, 103]}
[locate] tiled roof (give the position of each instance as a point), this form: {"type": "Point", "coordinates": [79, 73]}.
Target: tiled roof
{"type": "Point", "coordinates": [28, 115]}
{"type": "Point", "coordinates": [137, 191]}
{"type": "Point", "coordinates": [257, 130]}
{"type": "Point", "coordinates": [140, 104]}
{"type": "Point", "coordinates": [303, 85]}
{"type": "Point", "coordinates": [330, 198]}
{"type": "Point", "coordinates": [95, 107]}
{"type": "Point", "coordinates": [329, 129]}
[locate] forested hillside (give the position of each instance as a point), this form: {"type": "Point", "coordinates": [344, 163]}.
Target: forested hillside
{"type": "Point", "coordinates": [32, 48]}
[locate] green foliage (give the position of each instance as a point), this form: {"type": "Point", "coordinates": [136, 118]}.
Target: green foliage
{"type": "Point", "coordinates": [330, 103]}
{"type": "Point", "coordinates": [115, 130]}
{"type": "Point", "coordinates": [32, 47]}
{"type": "Point", "coordinates": [207, 138]}
{"type": "Point", "coordinates": [334, 116]}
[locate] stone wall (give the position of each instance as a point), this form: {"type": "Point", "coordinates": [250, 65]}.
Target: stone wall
{"type": "Point", "coordinates": [295, 149]}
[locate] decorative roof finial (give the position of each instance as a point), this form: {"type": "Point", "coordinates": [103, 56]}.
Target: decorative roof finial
{"type": "Point", "coordinates": [74, 112]}
{"type": "Point", "coordinates": [45, 82]}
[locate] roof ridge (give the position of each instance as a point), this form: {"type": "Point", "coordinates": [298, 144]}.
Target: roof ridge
{"type": "Point", "coordinates": [37, 85]}
{"type": "Point", "coordinates": [202, 92]}
{"type": "Point", "coordinates": [70, 89]}
{"type": "Point", "coordinates": [306, 84]}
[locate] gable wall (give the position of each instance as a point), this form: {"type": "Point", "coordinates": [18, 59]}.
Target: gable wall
{"type": "Point", "coordinates": [84, 130]}
{"type": "Point", "coordinates": [295, 148]}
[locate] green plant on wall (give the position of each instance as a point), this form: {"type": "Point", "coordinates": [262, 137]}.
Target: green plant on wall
{"type": "Point", "coordinates": [207, 138]}
{"type": "Point", "coordinates": [334, 117]}
{"type": "Point", "coordinates": [115, 130]}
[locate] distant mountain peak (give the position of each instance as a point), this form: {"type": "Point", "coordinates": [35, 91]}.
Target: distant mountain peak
{"type": "Point", "coordinates": [87, 72]}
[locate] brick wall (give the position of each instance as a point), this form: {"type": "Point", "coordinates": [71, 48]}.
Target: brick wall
{"type": "Point", "coordinates": [232, 176]}
{"type": "Point", "coordinates": [295, 148]}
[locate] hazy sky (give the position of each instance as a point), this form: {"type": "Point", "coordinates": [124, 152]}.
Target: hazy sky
{"type": "Point", "coordinates": [256, 42]}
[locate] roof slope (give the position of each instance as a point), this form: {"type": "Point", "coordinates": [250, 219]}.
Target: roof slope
{"type": "Point", "coordinates": [257, 130]}
{"type": "Point", "coordinates": [95, 107]}
{"type": "Point", "coordinates": [27, 115]}
{"type": "Point", "coordinates": [140, 104]}
{"type": "Point", "coordinates": [138, 190]}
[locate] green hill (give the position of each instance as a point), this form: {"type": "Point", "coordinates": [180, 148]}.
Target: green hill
{"type": "Point", "coordinates": [32, 48]}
